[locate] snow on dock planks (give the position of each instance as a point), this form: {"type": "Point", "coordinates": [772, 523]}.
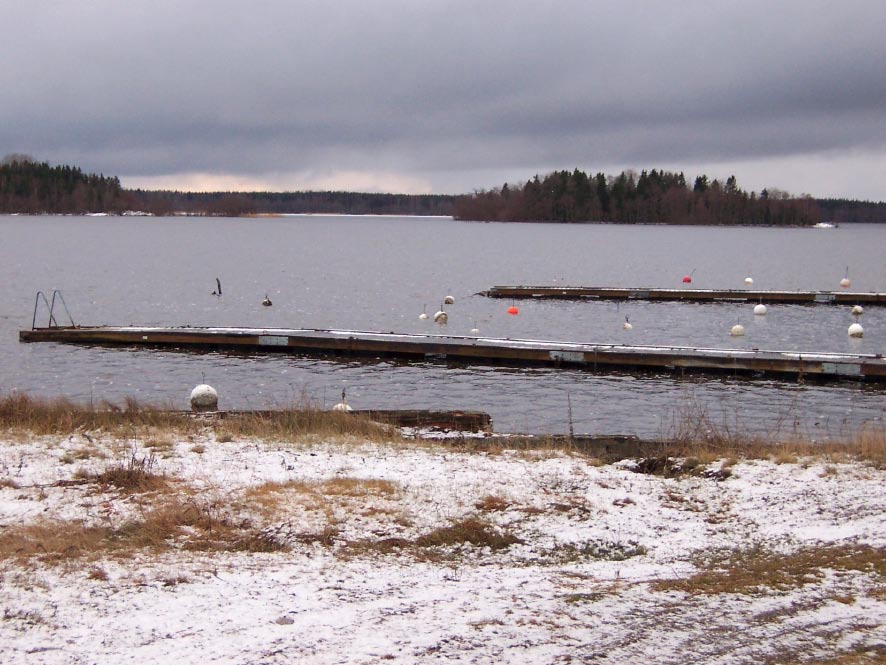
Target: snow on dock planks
{"type": "Point", "coordinates": [480, 350]}
{"type": "Point", "coordinates": [687, 295]}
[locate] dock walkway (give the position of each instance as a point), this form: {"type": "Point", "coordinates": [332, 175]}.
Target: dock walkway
{"type": "Point", "coordinates": [688, 295]}
{"type": "Point", "coordinates": [480, 350]}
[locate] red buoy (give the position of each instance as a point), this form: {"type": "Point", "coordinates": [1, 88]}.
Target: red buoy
{"type": "Point", "coordinates": [687, 279]}
{"type": "Point", "coordinates": [513, 311]}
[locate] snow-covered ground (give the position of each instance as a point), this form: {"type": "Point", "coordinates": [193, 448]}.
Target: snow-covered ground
{"type": "Point", "coordinates": [357, 580]}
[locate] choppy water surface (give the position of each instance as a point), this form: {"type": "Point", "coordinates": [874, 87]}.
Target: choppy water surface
{"type": "Point", "coordinates": [368, 273]}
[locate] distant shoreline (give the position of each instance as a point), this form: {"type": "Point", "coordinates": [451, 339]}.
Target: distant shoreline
{"type": "Point", "coordinates": [295, 215]}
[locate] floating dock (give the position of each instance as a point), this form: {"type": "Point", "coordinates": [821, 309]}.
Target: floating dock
{"type": "Point", "coordinates": [479, 350]}
{"type": "Point", "coordinates": [688, 295]}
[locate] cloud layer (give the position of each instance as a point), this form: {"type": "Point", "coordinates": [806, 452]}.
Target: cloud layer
{"type": "Point", "coordinates": [448, 96]}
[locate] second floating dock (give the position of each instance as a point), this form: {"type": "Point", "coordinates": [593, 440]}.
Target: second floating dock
{"type": "Point", "coordinates": [688, 295]}
{"type": "Point", "coordinates": [481, 350]}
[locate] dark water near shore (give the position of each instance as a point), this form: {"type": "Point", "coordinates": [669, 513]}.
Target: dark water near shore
{"type": "Point", "coordinates": [368, 273]}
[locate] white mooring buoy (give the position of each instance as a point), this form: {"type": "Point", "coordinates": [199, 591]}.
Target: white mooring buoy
{"type": "Point", "coordinates": [424, 314]}
{"type": "Point", "coordinates": [627, 325]}
{"type": "Point", "coordinates": [204, 398]}
{"type": "Point", "coordinates": [749, 281]}
{"type": "Point", "coordinates": [855, 330]}
{"type": "Point", "coordinates": [760, 310]}
{"type": "Point", "coordinates": [448, 300]}
{"type": "Point", "coordinates": [846, 282]}
{"type": "Point", "coordinates": [737, 330]}
{"type": "Point", "coordinates": [857, 310]}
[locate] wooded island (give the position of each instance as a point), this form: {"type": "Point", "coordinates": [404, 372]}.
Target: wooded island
{"type": "Point", "coordinates": [659, 197]}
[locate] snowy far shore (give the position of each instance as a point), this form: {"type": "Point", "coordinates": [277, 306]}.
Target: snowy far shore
{"type": "Point", "coordinates": [245, 551]}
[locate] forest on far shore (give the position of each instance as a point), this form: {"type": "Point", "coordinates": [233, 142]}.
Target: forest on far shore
{"type": "Point", "coordinates": [656, 196]}
{"type": "Point", "coordinates": [660, 197]}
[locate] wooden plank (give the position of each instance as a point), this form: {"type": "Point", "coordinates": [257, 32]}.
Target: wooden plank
{"type": "Point", "coordinates": [600, 357]}
{"type": "Point", "coordinates": [687, 295]}
{"type": "Point", "coordinates": [461, 421]}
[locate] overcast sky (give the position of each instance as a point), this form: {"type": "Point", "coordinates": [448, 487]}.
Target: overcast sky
{"type": "Point", "coordinates": [448, 96]}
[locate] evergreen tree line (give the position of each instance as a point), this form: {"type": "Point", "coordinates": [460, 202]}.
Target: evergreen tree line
{"type": "Point", "coordinates": [845, 211]}
{"type": "Point", "coordinates": [655, 196]}
{"type": "Point", "coordinates": [33, 187]}
{"type": "Point", "coordinates": [253, 203]}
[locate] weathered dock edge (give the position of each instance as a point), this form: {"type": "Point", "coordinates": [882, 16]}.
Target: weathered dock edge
{"type": "Point", "coordinates": [461, 420]}
{"type": "Point", "coordinates": [515, 352]}
{"type": "Point", "coordinates": [687, 295]}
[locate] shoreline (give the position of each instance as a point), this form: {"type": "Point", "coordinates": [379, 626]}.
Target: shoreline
{"type": "Point", "coordinates": [292, 215]}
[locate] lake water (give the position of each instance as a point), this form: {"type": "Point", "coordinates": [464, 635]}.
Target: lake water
{"type": "Point", "coordinates": [369, 273]}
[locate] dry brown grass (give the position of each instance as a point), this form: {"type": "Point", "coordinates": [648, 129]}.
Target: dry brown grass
{"type": "Point", "coordinates": [134, 475]}
{"type": "Point", "coordinates": [294, 424]}
{"type": "Point", "coordinates": [52, 541]}
{"type": "Point", "coordinates": [492, 503]}
{"type": "Point", "coordinates": [438, 544]}
{"type": "Point", "coordinates": [357, 487]}
{"type": "Point", "coordinates": [82, 453]}
{"type": "Point", "coordinates": [172, 524]}
{"type": "Point", "coordinates": [160, 443]}
{"type": "Point", "coordinates": [473, 530]}
{"type": "Point", "coordinates": [98, 573]}
{"type": "Point", "coordinates": [61, 416]}
{"type": "Point", "coordinates": [158, 426]}
{"type": "Point", "coordinates": [759, 571]}
{"type": "Point", "coordinates": [695, 434]}
{"type": "Point", "coordinates": [315, 495]}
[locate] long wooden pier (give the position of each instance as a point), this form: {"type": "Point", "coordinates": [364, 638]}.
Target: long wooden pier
{"type": "Point", "coordinates": [688, 295]}
{"type": "Point", "coordinates": [481, 350]}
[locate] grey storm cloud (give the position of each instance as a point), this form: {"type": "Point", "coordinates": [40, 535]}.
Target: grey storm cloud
{"type": "Point", "coordinates": [447, 90]}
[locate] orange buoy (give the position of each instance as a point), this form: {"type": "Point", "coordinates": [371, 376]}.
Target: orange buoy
{"type": "Point", "coordinates": [513, 311]}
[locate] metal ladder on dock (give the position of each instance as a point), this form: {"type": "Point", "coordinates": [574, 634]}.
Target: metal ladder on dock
{"type": "Point", "coordinates": [50, 308]}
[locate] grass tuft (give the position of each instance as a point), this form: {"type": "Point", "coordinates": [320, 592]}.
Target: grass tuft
{"type": "Point", "coordinates": [97, 573]}
{"type": "Point", "coordinates": [492, 503]}
{"type": "Point", "coordinates": [470, 530]}
{"type": "Point", "coordinates": [135, 475]}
